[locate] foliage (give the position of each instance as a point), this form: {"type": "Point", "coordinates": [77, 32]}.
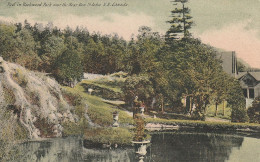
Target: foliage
{"type": "Point", "coordinates": [51, 48]}
{"type": "Point", "coordinates": [241, 67]}
{"type": "Point", "coordinates": [140, 53]}
{"type": "Point", "coordinates": [120, 136]}
{"type": "Point", "coordinates": [140, 134]}
{"type": "Point", "coordinates": [254, 111]}
{"type": "Point", "coordinates": [237, 103]}
{"type": "Point", "coordinates": [74, 129]}
{"type": "Point", "coordinates": [68, 68]}
{"type": "Point", "coordinates": [139, 86]}
{"type": "Point", "coordinates": [180, 22]}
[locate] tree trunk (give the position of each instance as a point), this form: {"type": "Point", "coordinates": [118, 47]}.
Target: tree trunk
{"type": "Point", "coordinates": [224, 108]}
{"type": "Point", "coordinates": [190, 105]}
{"type": "Point", "coordinates": [216, 112]}
{"type": "Point", "coordinates": [162, 106]}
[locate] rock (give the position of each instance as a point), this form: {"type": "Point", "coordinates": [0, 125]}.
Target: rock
{"type": "Point", "coordinates": [36, 96]}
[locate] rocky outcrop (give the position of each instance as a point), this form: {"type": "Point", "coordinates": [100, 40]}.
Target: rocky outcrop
{"type": "Point", "coordinates": [35, 100]}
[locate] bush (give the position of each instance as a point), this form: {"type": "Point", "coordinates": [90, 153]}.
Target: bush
{"type": "Point", "coordinates": [140, 134]}
{"type": "Point", "coordinates": [72, 129]}
{"type": "Point", "coordinates": [237, 102]}
{"type": "Point", "coordinates": [254, 111]}
{"type": "Point", "coordinates": [120, 136]}
{"type": "Point", "coordinates": [140, 86]}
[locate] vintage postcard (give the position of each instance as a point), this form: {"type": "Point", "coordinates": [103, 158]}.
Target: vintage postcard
{"type": "Point", "coordinates": [130, 80]}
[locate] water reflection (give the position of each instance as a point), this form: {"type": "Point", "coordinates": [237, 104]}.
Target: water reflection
{"type": "Point", "coordinates": [175, 146]}
{"type": "Point", "coordinates": [52, 150]}
{"type": "Point", "coordinates": [195, 147]}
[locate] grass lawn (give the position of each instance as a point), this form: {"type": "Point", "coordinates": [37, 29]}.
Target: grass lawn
{"type": "Point", "coordinates": [105, 86]}
{"type": "Point", "coordinates": [212, 109]}
{"type": "Point", "coordinates": [205, 124]}
{"type": "Point", "coordinates": [99, 111]}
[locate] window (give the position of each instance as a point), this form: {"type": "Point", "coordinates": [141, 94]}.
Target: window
{"type": "Point", "coordinates": [251, 93]}
{"type": "Point", "coordinates": [245, 92]}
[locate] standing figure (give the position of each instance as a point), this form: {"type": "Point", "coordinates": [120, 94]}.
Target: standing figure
{"type": "Point", "coordinates": [136, 106]}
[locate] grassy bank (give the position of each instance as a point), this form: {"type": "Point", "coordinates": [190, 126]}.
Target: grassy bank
{"type": "Point", "coordinates": [98, 111]}
{"type": "Point", "coordinates": [111, 136]}
{"type": "Point", "coordinates": [205, 124]}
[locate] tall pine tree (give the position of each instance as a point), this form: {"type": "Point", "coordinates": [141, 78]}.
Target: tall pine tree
{"type": "Point", "coordinates": [181, 21]}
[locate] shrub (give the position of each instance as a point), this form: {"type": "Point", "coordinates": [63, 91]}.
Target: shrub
{"type": "Point", "coordinates": [237, 103]}
{"type": "Point", "coordinates": [120, 136]}
{"type": "Point", "coordinates": [254, 111]}
{"type": "Point", "coordinates": [71, 128]}
{"type": "Point", "coordinates": [139, 129]}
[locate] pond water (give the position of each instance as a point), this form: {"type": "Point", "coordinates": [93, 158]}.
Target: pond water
{"type": "Point", "coordinates": [168, 146]}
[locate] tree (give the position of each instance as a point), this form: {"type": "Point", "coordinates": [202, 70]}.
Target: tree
{"type": "Point", "coordinates": [237, 102]}
{"type": "Point", "coordinates": [254, 111]}
{"type": "Point", "coordinates": [193, 72]}
{"type": "Point", "coordinates": [180, 22]}
{"type": "Point", "coordinates": [51, 48]}
{"type": "Point", "coordinates": [68, 69]}
{"type": "Point", "coordinates": [92, 57]}
{"type": "Point", "coordinates": [140, 56]}
{"type": "Point", "coordinates": [139, 86]}
{"type": "Point", "coordinates": [27, 50]}
{"type": "Point", "coordinates": [8, 44]}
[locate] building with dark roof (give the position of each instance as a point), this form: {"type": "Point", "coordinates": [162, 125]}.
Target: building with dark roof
{"type": "Point", "coordinates": [250, 82]}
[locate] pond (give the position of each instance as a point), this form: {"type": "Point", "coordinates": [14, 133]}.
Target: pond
{"type": "Point", "coordinates": [165, 146]}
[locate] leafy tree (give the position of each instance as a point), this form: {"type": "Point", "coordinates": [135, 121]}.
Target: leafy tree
{"type": "Point", "coordinates": [140, 57]}
{"type": "Point", "coordinates": [93, 55]}
{"type": "Point", "coordinates": [237, 102]}
{"type": "Point", "coordinates": [139, 86]}
{"type": "Point", "coordinates": [8, 44]}
{"type": "Point", "coordinates": [25, 50]}
{"type": "Point", "coordinates": [68, 69]}
{"type": "Point", "coordinates": [51, 48]}
{"type": "Point", "coordinates": [254, 111]}
{"type": "Point", "coordinates": [191, 71]}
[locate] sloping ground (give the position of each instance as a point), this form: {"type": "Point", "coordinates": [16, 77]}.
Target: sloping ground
{"type": "Point", "coordinates": [35, 100]}
{"type": "Point", "coordinates": [99, 111]}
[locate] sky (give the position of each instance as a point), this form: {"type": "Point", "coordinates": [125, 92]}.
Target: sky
{"type": "Point", "coordinates": [232, 25]}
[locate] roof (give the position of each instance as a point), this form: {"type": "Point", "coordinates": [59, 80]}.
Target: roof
{"type": "Point", "coordinates": [256, 75]}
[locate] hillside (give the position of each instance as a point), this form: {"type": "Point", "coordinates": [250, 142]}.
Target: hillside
{"type": "Point", "coordinates": [34, 100]}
